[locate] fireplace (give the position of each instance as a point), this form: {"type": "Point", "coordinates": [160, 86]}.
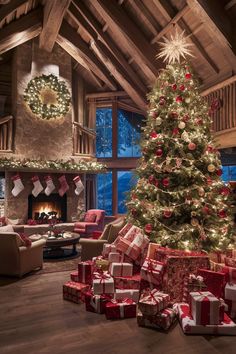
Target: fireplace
{"type": "Point", "coordinates": [43, 207]}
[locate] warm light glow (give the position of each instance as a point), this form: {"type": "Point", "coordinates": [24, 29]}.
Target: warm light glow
{"type": "Point", "coordinates": [46, 207]}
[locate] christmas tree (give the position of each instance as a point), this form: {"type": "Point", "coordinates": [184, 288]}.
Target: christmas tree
{"type": "Point", "coordinates": [180, 200]}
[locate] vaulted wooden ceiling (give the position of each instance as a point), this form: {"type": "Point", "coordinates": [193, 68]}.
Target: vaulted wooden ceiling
{"type": "Point", "coordinates": [114, 42]}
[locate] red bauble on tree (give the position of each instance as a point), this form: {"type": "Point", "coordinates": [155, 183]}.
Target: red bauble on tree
{"type": "Point", "coordinates": [153, 135]}
{"type": "Point", "coordinates": [162, 101]}
{"type": "Point", "coordinates": [192, 146]}
{"type": "Point", "coordinates": [166, 182]}
{"type": "Point", "coordinates": [219, 172]}
{"type": "Point", "coordinates": [188, 76]}
{"type": "Point", "coordinates": [148, 228]}
{"type": "Point", "coordinates": [222, 214]}
{"type": "Point", "coordinates": [179, 99]}
{"type": "Point", "coordinates": [174, 87]}
{"type": "Point", "coordinates": [154, 114]}
{"type": "Point", "coordinates": [159, 152]}
{"type": "Point", "coordinates": [182, 87]}
{"type": "Point", "coordinates": [174, 115]}
{"type": "Point", "coordinates": [175, 131]}
{"type": "Point", "coordinates": [186, 118]}
{"type": "Point", "coordinates": [167, 213]}
{"type": "Point", "coordinates": [206, 210]}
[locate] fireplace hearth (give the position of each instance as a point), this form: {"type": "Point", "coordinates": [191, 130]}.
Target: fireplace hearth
{"type": "Point", "coordinates": [44, 208]}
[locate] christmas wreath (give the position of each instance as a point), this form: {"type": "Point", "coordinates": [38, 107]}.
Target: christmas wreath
{"type": "Point", "coordinates": [47, 96]}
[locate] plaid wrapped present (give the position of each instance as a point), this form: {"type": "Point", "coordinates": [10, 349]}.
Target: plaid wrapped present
{"type": "Point", "coordinates": [227, 327]}
{"type": "Point", "coordinates": [74, 292]}
{"type": "Point", "coordinates": [103, 283]}
{"type": "Point", "coordinates": [162, 320]}
{"type": "Point", "coordinates": [153, 301]}
{"type": "Point", "coordinates": [120, 309]}
{"type": "Point", "coordinates": [121, 269]}
{"type": "Point", "coordinates": [124, 230]}
{"type": "Point", "coordinates": [122, 294]}
{"type": "Point", "coordinates": [74, 276]}
{"type": "Point", "coordinates": [96, 303]}
{"type": "Point", "coordinates": [231, 311]}
{"type": "Point", "coordinates": [215, 281]}
{"type": "Point", "coordinates": [115, 257]}
{"type": "Point", "coordinates": [230, 272]}
{"type": "Point", "coordinates": [230, 262]}
{"type": "Point", "coordinates": [107, 248]}
{"type": "Point", "coordinates": [161, 254]}
{"type": "Point", "coordinates": [205, 308]}
{"type": "Point", "coordinates": [134, 247]}
{"type": "Point", "coordinates": [128, 282]}
{"type": "Point", "coordinates": [85, 272]}
{"type": "Point", "coordinates": [230, 291]}
{"type": "Point", "coordinates": [193, 283]}
{"type": "Point", "coordinates": [152, 271]}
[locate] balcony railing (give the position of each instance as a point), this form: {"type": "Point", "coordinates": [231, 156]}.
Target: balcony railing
{"type": "Point", "coordinates": [6, 133]}
{"type": "Point", "coordinates": [83, 141]}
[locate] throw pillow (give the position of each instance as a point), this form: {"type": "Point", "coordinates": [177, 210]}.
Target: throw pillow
{"type": "Point", "coordinates": [2, 221]}
{"type": "Point", "coordinates": [25, 239]}
{"type": "Point", "coordinates": [89, 217]}
{"type": "Point", "coordinates": [7, 228]}
{"type": "Point", "coordinates": [14, 221]}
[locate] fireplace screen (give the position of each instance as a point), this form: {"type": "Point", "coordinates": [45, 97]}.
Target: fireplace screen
{"type": "Point", "coordinates": [43, 207]}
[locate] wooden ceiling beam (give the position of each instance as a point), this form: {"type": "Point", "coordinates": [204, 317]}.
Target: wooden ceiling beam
{"type": "Point", "coordinates": [169, 12]}
{"type": "Point", "coordinates": [219, 27]}
{"type": "Point", "coordinates": [136, 42]}
{"type": "Point", "coordinates": [83, 18]}
{"type": "Point", "coordinates": [22, 30]}
{"type": "Point", "coordinates": [10, 7]}
{"type": "Point", "coordinates": [71, 41]}
{"type": "Point", "coordinates": [54, 11]}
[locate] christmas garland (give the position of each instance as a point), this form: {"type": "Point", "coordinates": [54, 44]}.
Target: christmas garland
{"type": "Point", "coordinates": [47, 110]}
{"type": "Point", "coordinates": [69, 165]}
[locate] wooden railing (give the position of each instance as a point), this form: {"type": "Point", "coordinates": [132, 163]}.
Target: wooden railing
{"type": "Point", "coordinates": [6, 133]}
{"type": "Point", "coordinates": [83, 140]}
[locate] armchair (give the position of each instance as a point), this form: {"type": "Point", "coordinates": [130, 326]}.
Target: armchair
{"type": "Point", "coordinates": [16, 259]}
{"type": "Point", "coordinates": [91, 248]}
{"type": "Point", "coordinates": [85, 228]}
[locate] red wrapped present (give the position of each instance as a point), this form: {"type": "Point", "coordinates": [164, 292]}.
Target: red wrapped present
{"type": "Point", "coordinates": [115, 257]}
{"type": "Point", "coordinates": [85, 271]}
{"type": "Point", "coordinates": [74, 276]}
{"type": "Point", "coordinates": [177, 269]}
{"type": "Point", "coordinates": [215, 281]}
{"type": "Point", "coordinates": [124, 230]}
{"type": "Point", "coordinates": [96, 303]}
{"type": "Point", "coordinates": [162, 320]}
{"type": "Point", "coordinates": [230, 291]}
{"type": "Point", "coordinates": [122, 294]}
{"type": "Point", "coordinates": [205, 308]}
{"type": "Point", "coordinates": [231, 311]}
{"type": "Point", "coordinates": [223, 308]}
{"type": "Point", "coordinates": [132, 233]}
{"type": "Point", "coordinates": [193, 283]}
{"type": "Point", "coordinates": [230, 274]}
{"type": "Point", "coordinates": [121, 269]}
{"type": "Point", "coordinates": [145, 285]}
{"type": "Point", "coordinates": [132, 248]}
{"type": "Point", "coordinates": [153, 301]}
{"type": "Point", "coordinates": [120, 309]}
{"type": "Point", "coordinates": [128, 282]}
{"type": "Point", "coordinates": [152, 271]}
{"type": "Point", "coordinates": [103, 283]}
{"type": "Point", "coordinates": [107, 248]}
{"type": "Point", "coordinates": [230, 262]}
{"type": "Point", "coordinates": [73, 291]}
{"type": "Point", "coordinates": [227, 327]}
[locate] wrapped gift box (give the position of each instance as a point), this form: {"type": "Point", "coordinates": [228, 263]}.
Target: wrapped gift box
{"type": "Point", "coordinates": [230, 262]}
{"type": "Point", "coordinates": [227, 327]}
{"type": "Point", "coordinates": [121, 269]}
{"type": "Point", "coordinates": [223, 308]}
{"type": "Point", "coordinates": [101, 263]}
{"type": "Point", "coordinates": [231, 311]}
{"type": "Point", "coordinates": [230, 291]}
{"type": "Point", "coordinates": [153, 301]}
{"type": "Point", "coordinates": [132, 233]}
{"type": "Point", "coordinates": [124, 230]}
{"type": "Point", "coordinates": [215, 281]}
{"type": "Point", "coordinates": [128, 282]}
{"type": "Point", "coordinates": [103, 283]}
{"type": "Point", "coordinates": [121, 309]}
{"type": "Point", "coordinates": [115, 257]}
{"type": "Point", "coordinates": [122, 294]}
{"type": "Point", "coordinates": [96, 303]}
{"type": "Point", "coordinates": [74, 276]}
{"type": "Point", "coordinates": [132, 248]}
{"type": "Point", "coordinates": [73, 291]}
{"type": "Point", "coordinates": [152, 271]}
{"type": "Point", "coordinates": [107, 248]}
{"type": "Point", "coordinates": [85, 272]}
{"type": "Point", "coordinates": [193, 283]}
{"type": "Point", "coordinates": [162, 320]}
{"type": "Point", "coordinates": [177, 269]}
{"type": "Point", "coordinates": [205, 308]}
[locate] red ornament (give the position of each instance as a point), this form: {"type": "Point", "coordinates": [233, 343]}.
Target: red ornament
{"type": "Point", "coordinates": [174, 115]}
{"type": "Point", "coordinates": [174, 87]}
{"type": "Point", "coordinates": [191, 146]}
{"type": "Point", "coordinates": [159, 152]}
{"type": "Point", "coordinates": [224, 191]}
{"type": "Point", "coordinates": [210, 148]}
{"type": "Point", "coordinates": [167, 213]}
{"type": "Point", "coordinates": [199, 121]}
{"type": "Point", "coordinates": [182, 87]}
{"type": "Point", "coordinates": [175, 131]}
{"type": "Point", "coordinates": [156, 183]}
{"type": "Point", "coordinates": [209, 181]}
{"type": "Point", "coordinates": [219, 172]}
{"type": "Point", "coordinates": [153, 135]}
{"type": "Point", "coordinates": [206, 210]}
{"type": "Point", "coordinates": [222, 214]}
{"type": "Point", "coordinates": [151, 179]}
{"type": "Point", "coordinates": [179, 99]}
{"type": "Point", "coordinates": [134, 196]}
{"type": "Point", "coordinates": [148, 228]}
{"type": "Point", "coordinates": [162, 101]}
{"type": "Point", "coordinates": [165, 182]}
{"type": "Point", "coordinates": [186, 118]}
{"type": "Point", "coordinates": [188, 76]}
{"type": "Point", "coordinates": [154, 114]}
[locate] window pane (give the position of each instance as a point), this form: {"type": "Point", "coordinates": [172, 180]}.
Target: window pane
{"type": "Point", "coordinates": [225, 175]}
{"type": "Point", "coordinates": [104, 192]}
{"type": "Point", "coordinates": [232, 173]}
{"type": "Point", "coordinates": [104, 132]}
{"type": "Point", "coordinates": [125, 181]}
{"type": "Point", "coordinates": [129, 129]}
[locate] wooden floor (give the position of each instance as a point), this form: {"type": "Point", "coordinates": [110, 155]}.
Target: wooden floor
{"type": "Point", "coordinates": [34, 319]}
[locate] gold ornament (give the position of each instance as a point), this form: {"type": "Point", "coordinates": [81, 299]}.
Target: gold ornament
{"type": "Point", "coordinates": [181, 125]}
{"type": "Point", "coordinates": [187, 100]}
{"type": "Point", "coordinates": [194, 222]}
{"type": "Point", "coordinates": [211, 168]}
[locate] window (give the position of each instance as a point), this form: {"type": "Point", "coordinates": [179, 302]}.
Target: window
{"type": "Point", "coordinates": [125, 181]}
{"type": "Point", "coordinates": [129, 129]}
{"type": "Point", "coordinates": [229, 173]}
{"type": "Point", "coordinates": [104, 132]}
{"type": "Point", "coordinates": [104, 192]}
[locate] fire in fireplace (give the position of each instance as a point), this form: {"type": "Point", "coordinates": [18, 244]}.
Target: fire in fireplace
{"type": "Point", "coordinates": [43, 207]}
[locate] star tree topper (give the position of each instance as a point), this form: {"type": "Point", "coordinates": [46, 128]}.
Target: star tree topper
{"type": "Point", "coordinates": [175, 48]}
